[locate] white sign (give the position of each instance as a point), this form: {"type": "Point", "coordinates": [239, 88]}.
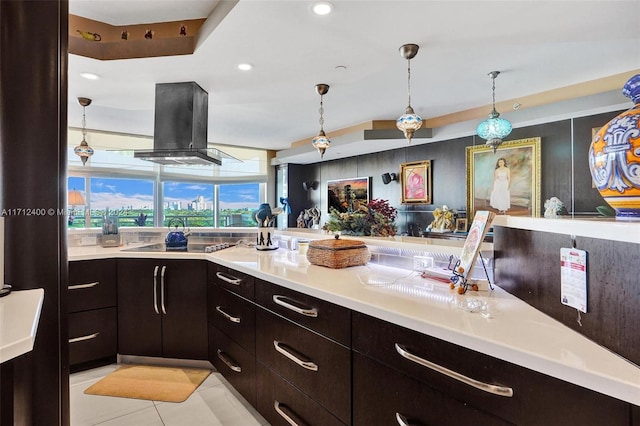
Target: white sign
{"type": "Point", "coordinates": [573, 278]}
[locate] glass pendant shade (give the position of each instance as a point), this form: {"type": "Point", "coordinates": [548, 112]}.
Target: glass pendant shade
{"type": "Point", "coordinates": [84, 151]}
{"type": "Point", "coordinates": [494, 129]}
{"type": "Point", "coordinates": [321, 142]}
{"type": "Point", "coordinates": [409, 122]}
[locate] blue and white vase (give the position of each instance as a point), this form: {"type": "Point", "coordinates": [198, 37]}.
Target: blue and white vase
{"type": "Point", "coordinates": [614, 157]}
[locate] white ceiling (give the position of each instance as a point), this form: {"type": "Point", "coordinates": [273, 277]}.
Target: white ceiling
{"type": "Point", "coordinates": [537, 45]}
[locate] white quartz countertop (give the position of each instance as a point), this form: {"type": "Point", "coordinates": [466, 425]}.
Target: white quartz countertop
{"type": "Point", "coordinates": [510, 330]}
{"type": "Point", "coordinates": [19, 316]}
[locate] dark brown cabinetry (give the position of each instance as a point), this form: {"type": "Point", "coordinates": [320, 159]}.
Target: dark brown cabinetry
{"type": "Point", "coordinates": [234, 281]}
{"type": "Point", "coordinates": [232, 328]}
{"type": "Point", "coordinates": [92, 313]}
{"type": "Point", "coordinates": [162, 308]}
{"type": "Point", "coordinates": [385, 396]}
{"type": "Point", "coordinates": [304, 357]}
{"type": "Point", "coordinates": [284, 405]}
{"type": "Point", "coordinates": [452, 376]}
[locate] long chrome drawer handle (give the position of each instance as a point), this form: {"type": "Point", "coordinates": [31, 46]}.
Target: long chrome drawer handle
{"type": "Point", "coordinates": [309, 312]}
{"type": "Point", "coordinates": [79, 286]}
{"type": "Point", "coordinates": [402, 420]}
{"type": "Point", "coordinates": [494, 389]}
{"type": "Point", "coordinates": [234, 281]}
{"type": "Point", "coordinates": [227, 316]}
{"type": "Point", "coordinates": [304, 364]}
{"type": "Point", "coordinates": [285, 416]}
{"type": "Point", "coordinates": [228, 362]}
{"type": "Point", "coordinates": [81, 338]}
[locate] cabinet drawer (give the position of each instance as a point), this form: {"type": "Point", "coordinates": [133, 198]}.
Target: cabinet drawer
{"type": "Point", "coordinates": [234, 316]}
{"type": "Point", "coordinates": [318, 366]}
{"type": "Point", "coordinates": [92, 335]}
{"type": "Point", "coordinates": [92, 284]}
{"type": "Point", "coordinates": [384, 342]}
{"type": "Point", "coordinates": [278, 399]}
{"type": "Point", "coordinates": [234, 281]}
{"type": "Point", "coordinates": [234, 363]}
{"type": "Point", "coordinates": [382, 396]}
{"type": "Point", "coordinates": [324, 317]}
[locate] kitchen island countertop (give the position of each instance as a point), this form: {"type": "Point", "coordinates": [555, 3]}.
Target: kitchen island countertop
{"type": "Point", "coordinates": [508, 328]}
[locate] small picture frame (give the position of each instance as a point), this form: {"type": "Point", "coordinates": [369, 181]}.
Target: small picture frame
{"type": "Point", "coordinates": [415, 178]}
{"type": "Point", "coordinates": [461, 224]}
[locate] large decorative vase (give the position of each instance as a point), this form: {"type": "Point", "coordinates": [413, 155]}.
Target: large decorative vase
{"type": "Point", "coordinates": [614, 157]}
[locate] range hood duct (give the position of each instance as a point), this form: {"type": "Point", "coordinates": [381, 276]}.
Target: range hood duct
{"type": "Point", "coordinates": [180, 126]}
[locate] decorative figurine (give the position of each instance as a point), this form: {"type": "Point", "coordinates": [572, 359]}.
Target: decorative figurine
{"type": "Point", "coordinates": [89, 36]}
{"type": "Point", "coordinates": [553, 207]}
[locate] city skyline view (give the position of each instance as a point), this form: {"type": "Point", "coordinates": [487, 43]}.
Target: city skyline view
{"type": "Point", "coordinates": [115, 193]}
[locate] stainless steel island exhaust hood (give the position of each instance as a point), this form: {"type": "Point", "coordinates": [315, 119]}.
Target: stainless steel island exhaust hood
{"type": "Point", "coordinates": [180, 127]}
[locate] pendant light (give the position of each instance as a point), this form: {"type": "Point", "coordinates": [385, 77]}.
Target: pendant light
{"type": "Point", "coordinates": [409, 122]}
{"type": "Point", "coordinates": [321, 142]}
{"type": "Point", "coordinates": [84, 151]}
{"type": "Point", "coordinates": [494, 129]}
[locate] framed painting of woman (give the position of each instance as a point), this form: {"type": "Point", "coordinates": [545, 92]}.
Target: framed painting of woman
{"type": "Point", "coordinates": [415, 178]}
{"type": "Point", "coordinates": [506, 181]}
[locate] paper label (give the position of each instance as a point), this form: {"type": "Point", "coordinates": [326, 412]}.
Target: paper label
{"type": "Point", "coordinates": [573, 278]}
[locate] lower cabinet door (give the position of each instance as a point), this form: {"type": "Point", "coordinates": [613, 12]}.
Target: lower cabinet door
{"type": "Point", "coordinates": [234, 363]}
{"type": "Point", "coordinates": [382, 396]}
{"type": "Point", "coordinates": [92, 335]}
{"type": "Point", "coordinates": [283, 405]}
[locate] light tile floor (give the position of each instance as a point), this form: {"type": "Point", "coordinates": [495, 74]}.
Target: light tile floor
{"type": "Point", "coordinates": [214, 403]}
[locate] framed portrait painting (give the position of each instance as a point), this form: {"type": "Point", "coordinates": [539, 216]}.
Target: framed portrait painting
{"type": "Point", "coordinates": [415, 179]}
{"type": "Point", "coordinates": [504, 182]}
{"type": "Point", "coordinates": [348, 194]}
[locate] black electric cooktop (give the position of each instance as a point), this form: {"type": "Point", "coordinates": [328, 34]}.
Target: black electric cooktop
{"type": "Point", "coordinates": [193, 248]}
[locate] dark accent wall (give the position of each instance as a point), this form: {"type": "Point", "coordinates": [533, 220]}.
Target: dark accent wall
{"type": "Point", "coordinates": [33, 140]}
{"type": "Point", "coordinates": [564, 170]}
{"type": "Point", "coordinates": [527, 265]}
{"type": "Point", "coordinates": [299, 199]}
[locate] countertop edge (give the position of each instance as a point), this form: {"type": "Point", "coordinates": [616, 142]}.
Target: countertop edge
{"type": "Point", "coordinates": [27, 305]}
{"type": "Point", "coordinates": [597, 227]}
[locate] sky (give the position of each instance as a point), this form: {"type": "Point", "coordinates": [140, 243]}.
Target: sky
{"type": "Point", "coordinates": [138, 193]}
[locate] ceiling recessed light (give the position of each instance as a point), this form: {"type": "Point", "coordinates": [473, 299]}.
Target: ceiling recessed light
{"type": "Point", "coordinates": [322, 7]}
{"type": "Point", "coordinates": [89, 76]}
{"type": "Point", "coordinates": [245, 67]}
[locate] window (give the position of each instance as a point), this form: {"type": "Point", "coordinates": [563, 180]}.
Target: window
{"type": "Point", "coordinates": [77, 200]}
{"type": "Point", "coordinates": [141, 193]}
{"type": "Point", "coordinates": [189, 201]}
{"type": "Point", "coordinates": [131, 200]}
{"type": "Point", "coordinates": [237, 203]}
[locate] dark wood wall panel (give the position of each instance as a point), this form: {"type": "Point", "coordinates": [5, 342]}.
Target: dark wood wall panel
{"type": "Point", "coordinates": [565, 170]}
{"type": "Point", "coordinates": [299, 199]}
{"type": "Point", "coordinates": [528, 266]}
{"type": "Point", "coordinates": [374, 165]}
{"type": "Point", "coordinates": [555, 159]}
{"type": "Point", "coordinates": [33, 161]}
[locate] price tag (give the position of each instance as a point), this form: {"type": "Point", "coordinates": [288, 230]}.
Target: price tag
{"type": "Point", "coordinates": [573, 275]}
